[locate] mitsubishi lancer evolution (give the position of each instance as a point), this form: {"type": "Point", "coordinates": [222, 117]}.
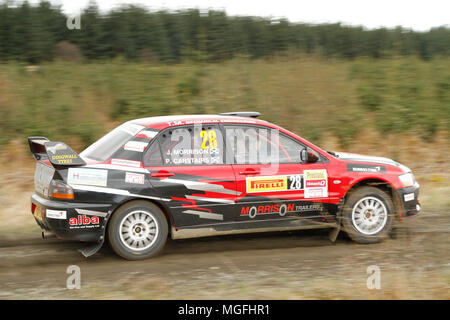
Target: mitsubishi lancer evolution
{"type": "Point", "coordinates": [205, 175]}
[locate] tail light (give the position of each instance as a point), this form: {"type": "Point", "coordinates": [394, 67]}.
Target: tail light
{"type": "Point", "coordinates": [60, 190]}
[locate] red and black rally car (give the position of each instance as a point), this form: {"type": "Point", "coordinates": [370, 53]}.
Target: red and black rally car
{"type": "Point", "coordinates": [204, 175]}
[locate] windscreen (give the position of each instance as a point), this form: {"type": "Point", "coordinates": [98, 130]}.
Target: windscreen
{"type": "Point", "coordinates": [106, 146]}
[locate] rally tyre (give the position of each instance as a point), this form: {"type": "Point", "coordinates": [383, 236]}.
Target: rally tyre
{"type": "Point", "coordinates": [138, 230]}
{"type": "Point", "coordinates": [368, 215]}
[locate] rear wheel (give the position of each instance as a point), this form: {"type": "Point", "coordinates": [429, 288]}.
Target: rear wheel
{"type": "Point", "coordinates": [138, 230]}
{"type": "Point", "coordinates": [368, 215]}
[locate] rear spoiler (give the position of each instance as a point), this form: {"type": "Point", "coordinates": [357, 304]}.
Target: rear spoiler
{"type": "Point", "coordinates": [58, 153]}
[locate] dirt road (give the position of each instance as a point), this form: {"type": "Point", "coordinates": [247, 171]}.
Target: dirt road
{"type": "Point", "coordinates": [295, 265]}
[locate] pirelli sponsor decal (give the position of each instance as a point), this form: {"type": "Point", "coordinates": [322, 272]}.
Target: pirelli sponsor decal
{"type": "Point", "coordinates": [274, 183]}
{"type": "Point", "coordinates": [365, 168]}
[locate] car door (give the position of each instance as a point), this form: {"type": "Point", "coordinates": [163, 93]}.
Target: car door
{"type": "Point", "coordinates": [187, 168]}
{"type": "Point", "coordinates": [271, 180]}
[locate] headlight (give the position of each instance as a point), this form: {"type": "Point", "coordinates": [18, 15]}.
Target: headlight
{"type": "Point", "coordinates": [407, 179]}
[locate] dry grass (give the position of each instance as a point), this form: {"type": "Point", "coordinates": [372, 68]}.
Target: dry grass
{"type": "Point", "coordinates": [312, 97]}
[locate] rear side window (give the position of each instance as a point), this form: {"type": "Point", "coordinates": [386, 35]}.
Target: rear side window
{"type": "Point", "coordinates": [192, 145]}
{"type": "Point", "coordinates": [105, 147]}
{"type": "Point", "coordinates": [152, 156]}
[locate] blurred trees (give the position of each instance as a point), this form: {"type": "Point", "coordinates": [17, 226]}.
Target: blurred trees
{"type": "Point", "coordinates": [30, 33]}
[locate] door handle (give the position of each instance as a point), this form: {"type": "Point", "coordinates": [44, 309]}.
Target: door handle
{"type": "Point", "coordinates": [162, 174]}
{"type": "Point", "coordinates": [249, 171]}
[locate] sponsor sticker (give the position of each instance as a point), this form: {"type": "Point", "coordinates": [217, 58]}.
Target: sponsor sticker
{"type": "Point", "coordinates": [365, 168]}
{"type": "Point", "coordinates": [90, 177]}
{"type": "Point", "coordinates": [64, 158]}
{"type": "Point", "coordinates": [83, 222]}
{"type": "Point", "coordinates": [266, 184]}
{"type": "Point", "coordinates": [280, 209]}
{"type": "Point", "coordinates": [61, 154]}
{"type": "Point", "coordinates": [274, 183]}
{"type": "Point", "coordinates": [56, 214]}
{"type": "Point", "coordinates": [124, 162]}
{"type": "Point", "coordinates": [137, 178]}
{"type": "Point", "coordinates": [59, 146]}
{"type": "Point", "coordinates": [147, 134]}
{"type": "Point", "coordinates": [316, 183]}
{"type": "Point", "coordinates": [315, 193]}
{"type": "Point", "coordinates": [138, 146]}
{"type": "Point", "coordinates": [315, 174]}
{"type": "Point", "coordinates": [409, 196]}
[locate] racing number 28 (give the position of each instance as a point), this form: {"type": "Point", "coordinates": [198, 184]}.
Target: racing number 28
{"type": "Point", "coordinates": [208, 135]}
{"type": "Point", "coordinates": [296, 182]}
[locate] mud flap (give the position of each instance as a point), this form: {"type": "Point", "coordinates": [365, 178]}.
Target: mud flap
{"type": "Point", "coordinates": [91, 249]}
{"type": "Point", "coordinates": [333, 234]}
{"type": "Point", "coordinates": [94, 248]}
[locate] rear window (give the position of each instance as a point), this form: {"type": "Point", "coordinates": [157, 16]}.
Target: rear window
{"type": "Point", "coordinates": [106, 146]}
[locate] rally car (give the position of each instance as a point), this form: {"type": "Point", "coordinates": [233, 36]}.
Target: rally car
{"type": "Point", "coordinates": [205, 175]}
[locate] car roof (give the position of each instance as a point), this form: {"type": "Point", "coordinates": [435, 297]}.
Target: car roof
{"type": "Point", "coordinates": [163, 122]}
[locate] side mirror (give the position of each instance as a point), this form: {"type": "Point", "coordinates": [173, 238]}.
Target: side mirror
{"type": "Point", "coordinates": [308, 156]}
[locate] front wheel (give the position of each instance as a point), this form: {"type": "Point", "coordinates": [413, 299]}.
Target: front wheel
{"type": "Point", "coordinates": [368, 215]}
{"type": "Point", "coordinates": [138, 230]}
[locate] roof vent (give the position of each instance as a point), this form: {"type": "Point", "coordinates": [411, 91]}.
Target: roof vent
{"type": "Point", "coordinates": [251, 114]}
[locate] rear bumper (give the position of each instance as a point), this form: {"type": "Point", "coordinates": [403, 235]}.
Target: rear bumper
{"type": "Point", "coordinates": [409, 201]}
{"type": "Point", "coordinates": [70, 220]}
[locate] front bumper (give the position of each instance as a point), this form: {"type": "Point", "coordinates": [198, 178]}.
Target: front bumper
{"type": "Point", "coordinates": [70, 220]}
{"type": "Point", "coordinates": [409, 201]}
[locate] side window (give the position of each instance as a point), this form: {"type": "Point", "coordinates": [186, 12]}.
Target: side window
{"type": "Point", "coordinates": [152, 156]}
{"type": "Point", "coordinates": [289, 150]}
{"type": "Point", "coordinates": [192, 145]}
{"type": "Point", "coordinates": [260, 145]}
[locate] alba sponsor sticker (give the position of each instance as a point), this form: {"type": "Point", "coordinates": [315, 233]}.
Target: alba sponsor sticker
{"type": "Point", "coordinates": [316, 183]}
{"type": "Point", "coordinates": [81, 222]}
